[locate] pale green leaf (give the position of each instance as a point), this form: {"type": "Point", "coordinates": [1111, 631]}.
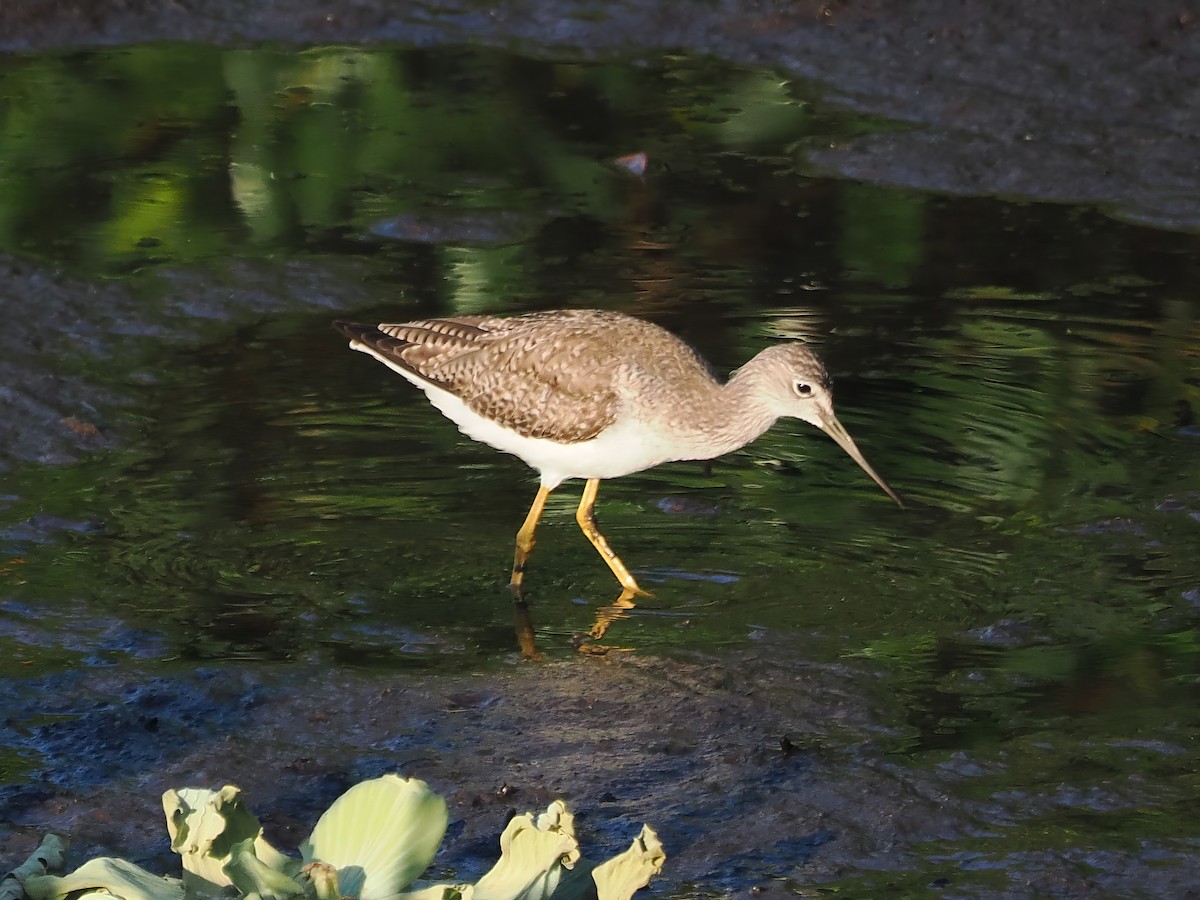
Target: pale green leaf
{"type": "Point", "coordinates": [204, 827]}
{"type": "Point", "coordinates": [47, 857]}
{"type": "Point", "coordinates": [118, 877]}
{"type": "Point", "coordinates": [619, 877]}
{"type": "Point", "coordinates": [380, 835]}
{"type": "Point", "coordinates": [250, 875]}
{"type": "Point", "coordinates": [533, 856]}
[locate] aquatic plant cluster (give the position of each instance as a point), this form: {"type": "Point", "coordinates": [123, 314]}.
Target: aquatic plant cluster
{"type": "Point", "coordinates": [371, 844]}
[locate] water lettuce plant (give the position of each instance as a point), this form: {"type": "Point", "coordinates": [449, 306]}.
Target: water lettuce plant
{"type": "Point", "coordinates": [371, 844]}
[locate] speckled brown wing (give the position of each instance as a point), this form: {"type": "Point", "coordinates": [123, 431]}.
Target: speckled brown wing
{"type": "Point", "coordinates": [416, 346]}
{"type": "Point", "coordinates": [542, 375]}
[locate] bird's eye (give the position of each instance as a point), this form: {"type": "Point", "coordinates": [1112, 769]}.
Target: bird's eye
{"type": "Point", "coordinates": [802, 389]}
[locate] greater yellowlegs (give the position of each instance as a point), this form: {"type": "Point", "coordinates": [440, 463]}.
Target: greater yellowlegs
{"type": "Point", "coordinates": [593, 394]}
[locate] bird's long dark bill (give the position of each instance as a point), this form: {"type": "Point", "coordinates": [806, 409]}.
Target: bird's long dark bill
{"type": "Point", "coordinates": [835, 430]}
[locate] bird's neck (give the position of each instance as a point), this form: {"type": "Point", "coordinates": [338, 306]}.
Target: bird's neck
{"type": "Point", "coordinates": [740, 417]}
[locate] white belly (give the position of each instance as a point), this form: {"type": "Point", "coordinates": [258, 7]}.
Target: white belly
{"type": "Point", "coordinates": [618, 450]}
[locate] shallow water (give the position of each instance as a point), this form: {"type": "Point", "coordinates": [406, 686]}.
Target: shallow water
{"type": "Point", "coordinates": [1026, 376]}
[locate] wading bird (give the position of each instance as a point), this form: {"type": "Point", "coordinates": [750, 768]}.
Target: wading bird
{"type": "Point", "coordinates": [594, 394]}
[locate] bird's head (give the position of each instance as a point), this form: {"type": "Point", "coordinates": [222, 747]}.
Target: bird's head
{"type": "Point", "coordinates": [799, 387]}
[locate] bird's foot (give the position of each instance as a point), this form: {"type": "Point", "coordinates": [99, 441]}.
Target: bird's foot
{"type": "Point", "coordinates": [629, 593]}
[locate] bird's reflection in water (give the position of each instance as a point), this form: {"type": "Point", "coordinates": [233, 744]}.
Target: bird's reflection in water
{"type": "Point", "coordinates": [585, 643]}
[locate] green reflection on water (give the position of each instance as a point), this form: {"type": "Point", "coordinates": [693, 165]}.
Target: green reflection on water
{"type": "Point", "coordinates": [182, 152]}
{"type": "Point", "coordinates": [983, 379]}
{"type": "Point", "coordinates": [291, 492]}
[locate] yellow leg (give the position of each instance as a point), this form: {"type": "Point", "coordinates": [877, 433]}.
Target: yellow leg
{"type": "Point", "coordinates": [525, 540]}
{"type": "Point", "coordinates": [586, 517]}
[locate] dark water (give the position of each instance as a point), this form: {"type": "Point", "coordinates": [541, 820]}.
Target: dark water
{"type": "Point", "coordinates": [1027, 376]}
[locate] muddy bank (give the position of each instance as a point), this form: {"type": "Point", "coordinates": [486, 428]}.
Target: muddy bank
{"type": "Point", "coordinates": [759, 772]}
{"type": "Point", "coordinates": [1051, 101]}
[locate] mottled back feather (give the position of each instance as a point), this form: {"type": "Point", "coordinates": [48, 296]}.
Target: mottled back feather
{"type": "Point", "coordinates": [558, 376]}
